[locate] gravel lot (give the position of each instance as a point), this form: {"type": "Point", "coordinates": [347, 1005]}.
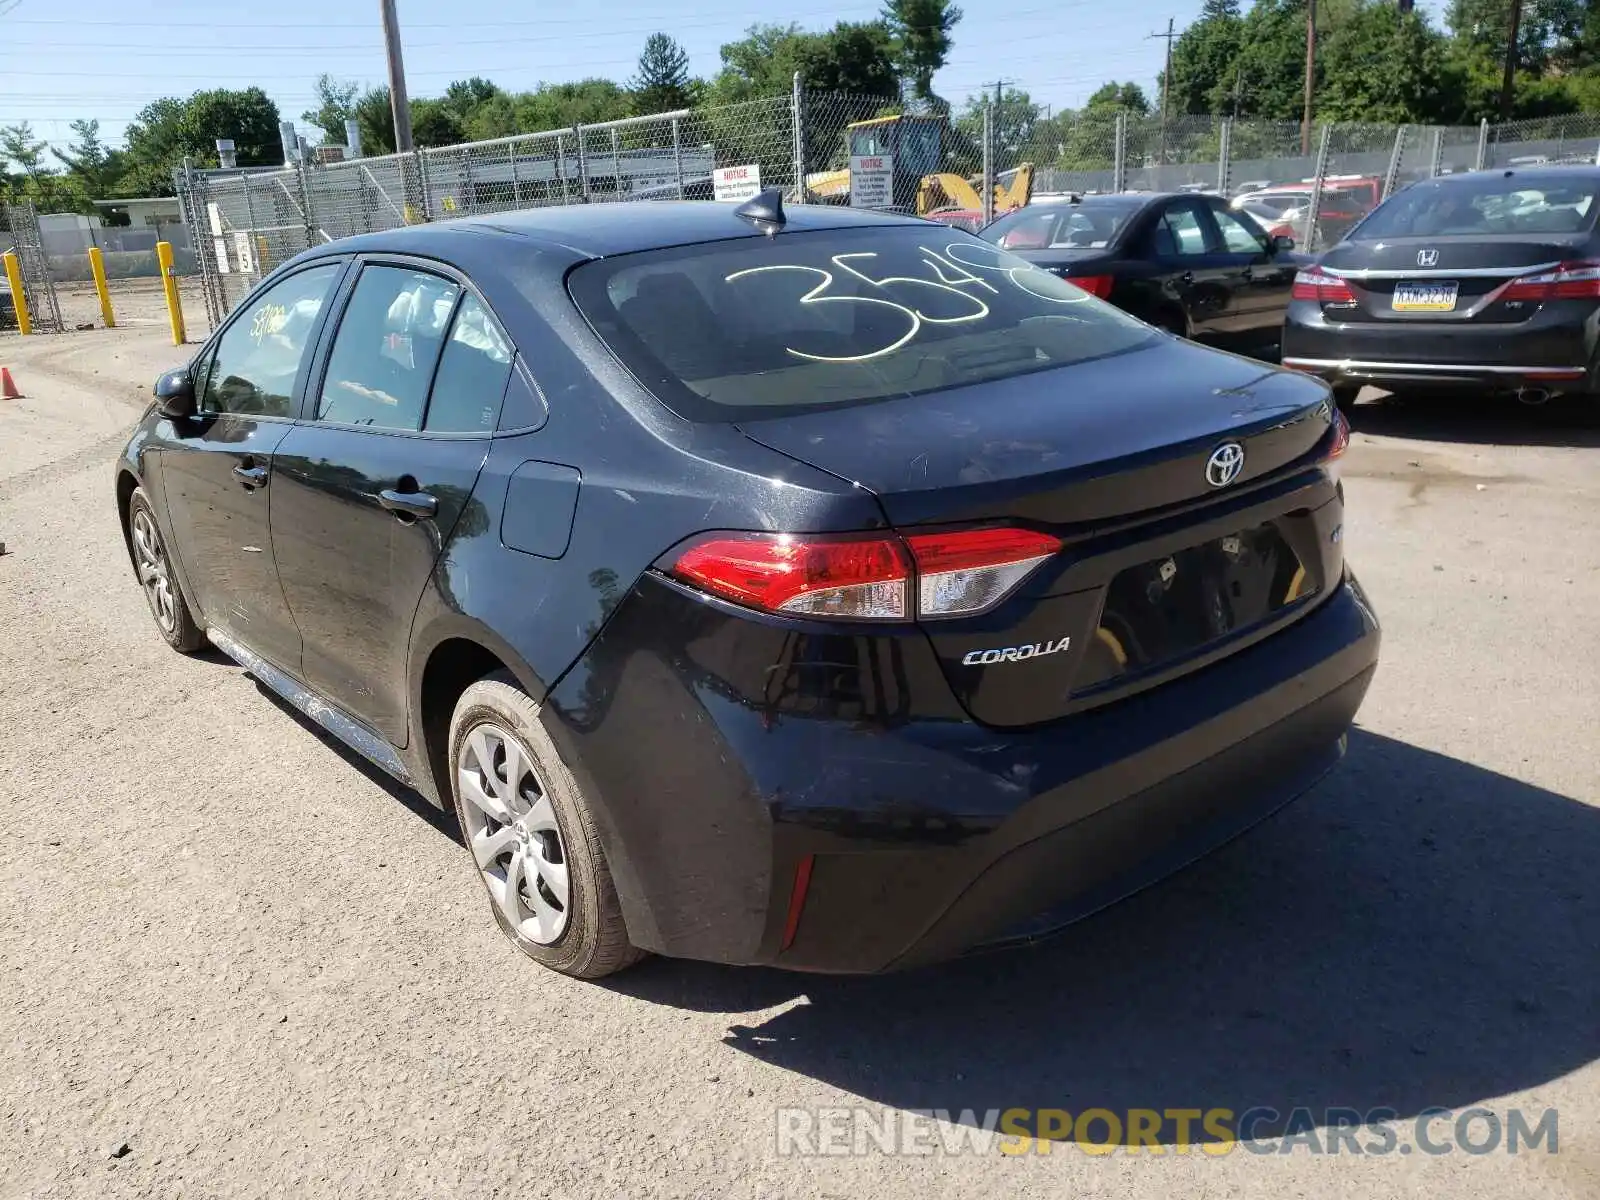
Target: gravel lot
{"type": "Point", "coordinates": [134, 303]}
{"type": "Point", "coordinates": [233, 950]}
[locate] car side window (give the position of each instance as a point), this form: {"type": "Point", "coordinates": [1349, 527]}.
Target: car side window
{"type": "Point", "coordinates": [387, 344]}
{"type": "Point", "coordinates": [1237, 235]}
{"type": "Point", "coordinates": [259, 355]}
{"type": "Point", "coordinates": [472, 375]}
{"type": "Point", "coordinates": [1179, 233]}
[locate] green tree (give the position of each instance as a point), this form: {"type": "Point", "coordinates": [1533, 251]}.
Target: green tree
{"type": "Point", "coordinates": [661, 83]}
{"type": "Point", "coordinates": [1129, 96]}
{"type": "Point", "coordinates": [164, 132]}
{"type": "Point", "coordinates": [1014, 120]}
{"type": "Point", "coordinates": [467, 96]}
{"type": "Point", "coordinates": [436, 123]}
{"type": "Point", "coordinates": [1409, 88]}
{"type": "Point", "coordinates": [1205, 57]}
{"type": "Point", "coordinates": [93, 168]}
{"type": "Point", "coordinates": [920, 30]}
{"type": "Point", "coordinates": [856, 58]}
{"type": "Point", "coordinates": [20, 147]}
{"type": "Point", "coordinates": [336, 104]}
{"type": "Point", "coordinates": [375, 120]}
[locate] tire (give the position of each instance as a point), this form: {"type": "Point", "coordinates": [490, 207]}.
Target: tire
{"type": "Point", "coordinates": [544, 827]}
{"type": "Point", "coordinates": [158, 578]}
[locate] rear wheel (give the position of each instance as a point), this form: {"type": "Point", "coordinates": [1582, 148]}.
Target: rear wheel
{"type": "Point", "coordinates": [532, 835]}
{"type": "Point", "coordinates": [161, 591]}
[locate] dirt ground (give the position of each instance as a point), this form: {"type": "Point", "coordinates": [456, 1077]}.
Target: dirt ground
{"type": "Point", "coordinates": [235, 961]}
{"type": "Point", "coordinates": [135, 303]}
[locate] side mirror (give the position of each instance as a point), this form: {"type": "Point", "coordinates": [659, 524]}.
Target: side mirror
{"type": "Point", "coordinates": [1283, 242]}
{"type": "Point", "coordinates": [174, 392]}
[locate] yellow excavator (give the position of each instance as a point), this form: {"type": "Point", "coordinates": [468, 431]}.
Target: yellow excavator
{"type": "Point", "coordinates": [915, 147]}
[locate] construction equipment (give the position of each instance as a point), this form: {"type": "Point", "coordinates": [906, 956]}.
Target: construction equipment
{"type": "Point", "coordinates": [915, 146]}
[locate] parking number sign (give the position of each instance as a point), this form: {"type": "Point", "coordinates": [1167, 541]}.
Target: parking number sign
{"type": "Point", "coordinates": [871, 180]}
{"type": "Point", "coordinates": [736, 183]}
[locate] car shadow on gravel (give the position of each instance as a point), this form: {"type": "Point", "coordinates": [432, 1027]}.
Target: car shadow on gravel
{"type": "Point", "coordinates": [1485, 420]}
{"type": "Point", "coordinates": [1417, 931]}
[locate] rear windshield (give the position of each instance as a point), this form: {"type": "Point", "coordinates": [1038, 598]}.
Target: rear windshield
{"type": "Point", "coordinates": [1087, 226]}
{"type": "Point", "coordinates": [802, 321]}
{"type": "Point", "coordinates": [1487, 205]}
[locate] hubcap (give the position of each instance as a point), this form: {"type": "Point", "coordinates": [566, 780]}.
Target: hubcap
{"type": "Point", "coordinates": [154, 574]}
{"type": "Point", "coordinates": [511, 829]}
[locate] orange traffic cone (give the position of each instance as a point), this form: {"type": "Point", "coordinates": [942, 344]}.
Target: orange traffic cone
{"type": "Point", "coordinates": [8, 386]}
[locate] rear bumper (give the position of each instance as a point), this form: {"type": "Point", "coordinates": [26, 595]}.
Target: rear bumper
{"type": "Point", "coordinates": [1554, 349]}
{"type": "Point", "coordinates": [923, 835]}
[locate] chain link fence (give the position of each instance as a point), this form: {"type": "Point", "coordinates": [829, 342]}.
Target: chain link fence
{"type": "Point", "coordinates": [20, 235]}
{"type": "Point", "coordinates": [832, 148]}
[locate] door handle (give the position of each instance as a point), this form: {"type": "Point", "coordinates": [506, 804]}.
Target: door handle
{"type": "Point", "coordinates": [408, 504]}
{"type": "Point", "coordinates": [252, 477]}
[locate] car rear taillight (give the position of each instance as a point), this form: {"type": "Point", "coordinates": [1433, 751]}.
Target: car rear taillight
{"type": "Point", "coordinates": [1095, 285]}
{"type": "Point", "coordinates": [856, 579]}
{"type": "Point", "coordinates": [1569, 281]}
{"type": "Point", "coordinates": [1316, 284]}
{"type": "Point", "coordinates": [973, 569]}
{"type": "Point", "coordinates": [1339, 438]}
{"type": "Point", "coordinates": [866, 578]}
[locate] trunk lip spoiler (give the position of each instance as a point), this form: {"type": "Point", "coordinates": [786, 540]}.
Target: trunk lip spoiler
{"type": "Point", "coordinates": [1462, 273]}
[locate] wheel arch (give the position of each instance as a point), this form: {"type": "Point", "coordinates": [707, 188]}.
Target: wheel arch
{"type": "Point", "coordinates": [127, 482]}
{"type": "Point", "coordinates": [449, 657]}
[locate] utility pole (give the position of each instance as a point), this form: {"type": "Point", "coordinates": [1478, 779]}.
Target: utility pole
{"type": "Point", "coordinates": [1511, 61]}
{"type": "Point", "coordinates": [1311, 73]}
{"type": "Point", "coordinates": [399, 105]}
{"type": "Point", "coordinates": [1166, 89]}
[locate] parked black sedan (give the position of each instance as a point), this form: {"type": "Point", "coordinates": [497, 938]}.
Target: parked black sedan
{"type": "Point", "coordinates": [1487, 280]}
{"type": "Point", "coordinates": [1185, 263]}
{"type": "Point", "coordinates": [818, 588]}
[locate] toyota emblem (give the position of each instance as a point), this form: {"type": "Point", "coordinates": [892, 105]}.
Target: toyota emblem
{"type": "Point", "coordinates": [1427, 258]}
{"type": "Point", "coordinates": [1224, 465]}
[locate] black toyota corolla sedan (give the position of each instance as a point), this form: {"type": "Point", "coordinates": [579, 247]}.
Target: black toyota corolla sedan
{"type": "Point", "coordinates": [817, 588]}
{"type": "Point", "coordinates": [1183, 262]}
{"type": "Point", "coordinates": [1488, 280]}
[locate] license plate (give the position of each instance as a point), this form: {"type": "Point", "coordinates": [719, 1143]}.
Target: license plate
{"type": "Point", "coordinates": [1424, 297]}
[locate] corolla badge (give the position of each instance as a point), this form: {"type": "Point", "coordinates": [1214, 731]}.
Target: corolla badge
{"type": "Point", "coordinates": [1427, 258]}
{"type": "Point", "coordinates": [975, 658]}
{"type": "Point", "coordinates": [1224, 465]}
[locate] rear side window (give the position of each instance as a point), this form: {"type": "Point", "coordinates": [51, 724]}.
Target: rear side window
{"type": "Point", "coordinates": [1178, 233]}
{"type": "Point", "coordinates": [472, 373]}
{"type": "Point", "coordinates": [1491, 204]}
{"type": "Point", "coordinates": [770, 326]}
{"type": "Point", "coordinates": [388, 343]}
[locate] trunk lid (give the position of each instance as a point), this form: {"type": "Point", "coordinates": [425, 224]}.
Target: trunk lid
{"type": "Point", "coordinates": [1468, 271]}
{"type": "Point", "coordinates": [1097, 441]}
{"type": "Point", "coordinates": [1160, 570]}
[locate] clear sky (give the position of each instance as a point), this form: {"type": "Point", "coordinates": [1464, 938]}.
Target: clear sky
{"type": "Point", "coordinates": [105, 59]}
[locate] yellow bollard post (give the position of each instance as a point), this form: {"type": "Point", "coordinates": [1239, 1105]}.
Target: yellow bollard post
{"type": "Point", "coordinates": [18, 300]}
{"type": "Point", "coordinates": [97, 264]}
{"type": "Point", "coordinates": [169, 283]}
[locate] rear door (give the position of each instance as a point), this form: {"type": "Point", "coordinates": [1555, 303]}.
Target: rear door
{"type": "Point", "coordinates": [1192, 273]}
{"type": "Point", "coordinates": [1265, 276]}
{"type": "Point", "coordinates": [219, 481]}
{"type": "Point", "coordinates": [372, 484]}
